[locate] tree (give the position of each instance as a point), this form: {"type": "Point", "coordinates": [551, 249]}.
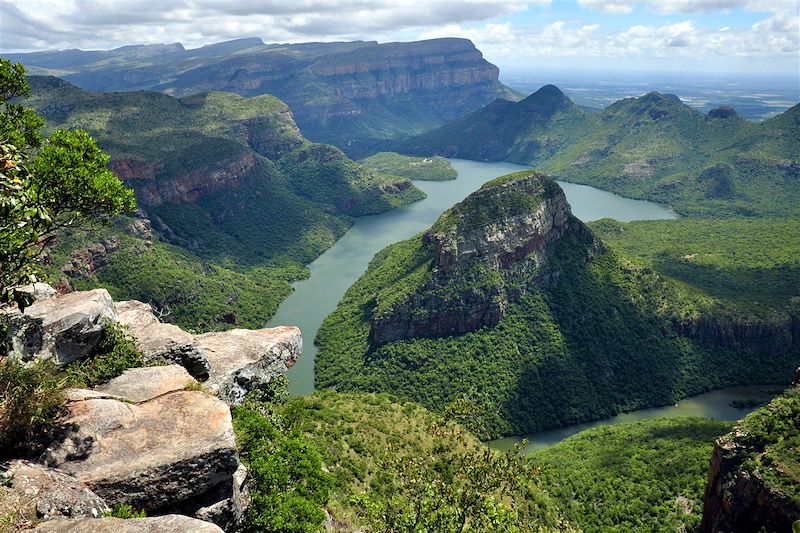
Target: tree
{"type": "Point", "coordinates": [45, 185]}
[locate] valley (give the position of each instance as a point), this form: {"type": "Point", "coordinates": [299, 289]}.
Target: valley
{"type": "Point", "coordinates": [359, 276]}
{"type": "Point", "coordinates": [341, 265]}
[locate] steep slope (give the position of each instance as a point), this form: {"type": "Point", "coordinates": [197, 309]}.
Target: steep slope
{"type": "Point", "coordinates": [228, 181]}
{"type": "Point", "coordinates": [353, 95]}
{"type": "Point", "coordinates": [380, 450]}
{"type": "Point", "coordinates": [512, 303]}
{"type": "Point", "coordinates": [754, 479]}
{"type": "Point", "coordinates": [642, 476]}
{"type": "Point", "coordinates": [653, 147]}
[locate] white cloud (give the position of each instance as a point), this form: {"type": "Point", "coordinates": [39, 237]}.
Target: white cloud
{"type": "Point", "coordinates": [37, 24]}
{"type": "Point", "coordinates": [687, 7]}
{"type": "Point", "coordinates": [609, 7]}
{"type": "Point", "coordinates": [776, 38]}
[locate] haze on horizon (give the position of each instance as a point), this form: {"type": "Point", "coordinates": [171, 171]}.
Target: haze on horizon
{"type": "Point", "coordinates": [756, 37]}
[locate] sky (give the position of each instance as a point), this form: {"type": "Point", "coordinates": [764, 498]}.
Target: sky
{"type": "Point", "coordinates": [720, 36]}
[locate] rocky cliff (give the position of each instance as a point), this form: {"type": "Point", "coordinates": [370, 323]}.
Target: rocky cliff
{"type": "Point", "coordinates": [485, 251]}
{"type": "Point", "coordinates": [354, 95]}
{"type": "Point", "coordinates": [153, 437]}
{"type": "Point", "coordinates": [754, 477]}
{"type": "Point", "coordinates": [154, 186]}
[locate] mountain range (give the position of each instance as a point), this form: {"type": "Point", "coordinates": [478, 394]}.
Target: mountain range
{"type": "Point", "coordinates": [652, 147]}
{"type": "Point", "coordinates": [351, 94]}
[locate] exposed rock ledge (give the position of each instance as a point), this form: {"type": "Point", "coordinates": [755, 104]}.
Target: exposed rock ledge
{"type": "Point", "coordinates": [69, 327]}
{"type": "Point", "coordinates": [150, 438]}
{"type": "Point", "coordinates": [158, 524]}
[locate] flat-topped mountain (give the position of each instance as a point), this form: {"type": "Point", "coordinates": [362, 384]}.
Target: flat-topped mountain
{"type": "Point", "coordinates": [511, 302]}
{"type": "Point", "coordinates": [652, 147]}
{"type": "Point", "coordinates": [352, 94]}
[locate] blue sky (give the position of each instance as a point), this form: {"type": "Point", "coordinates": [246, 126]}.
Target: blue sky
{"type": "Point", "coordinates": [758, 37]}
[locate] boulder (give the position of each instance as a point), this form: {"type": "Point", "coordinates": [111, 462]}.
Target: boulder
{"type": "Point", "coordinates": [225, 505]}
{"type": "Point", "coordinates": [39, 291]}
{"type": "Point", "coordinates": [159, 524]}
{"type": "Point", "coordinates": [62, 329]}
{"type": "Point", "coordinates": [153, 448]}
{"type": "Point", "coordinates": [243, 360]}
{"type": "Point", "coordinates": [50, 493]}
{"type": "Point", "coordinates": [157, 340]}
{"type": "Point", "coordinates": [142, 384]}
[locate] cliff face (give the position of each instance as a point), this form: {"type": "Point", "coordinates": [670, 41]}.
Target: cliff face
{"type": "Point", "coordinates": [154, 188]}
{"type": "Point", "coordinates": [485, 252]}
{"type": "Point", "coordinates": [753, 478]}
{"type": "Point", "coordinates": [349, 94]}
{"type": "Point", "coordinates": [405, 68]}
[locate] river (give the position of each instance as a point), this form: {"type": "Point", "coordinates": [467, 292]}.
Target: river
{"type": "Point", "coordinates": [715, 404]}
{"type": "Point", "coordinates": [341, 265]}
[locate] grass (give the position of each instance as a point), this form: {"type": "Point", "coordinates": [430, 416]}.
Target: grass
{"type": "Point", "coordinates": [413, 168]}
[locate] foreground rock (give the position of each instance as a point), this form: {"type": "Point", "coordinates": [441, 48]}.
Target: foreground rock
{"type": "Point", "coordinates": [754, 477]}
{"type": "Point", "coordinates": [157, 340]}
{"type": "Point", "coordinates": [159, 524]}
{"type": "Point", "coordinates": [62, 329]}
{"type": "Point", "coordinates": [145, 442]}
{"type": "Point", "coordinates": [46, 493]}
{"type": "Point", "coordinates": [242, 360]}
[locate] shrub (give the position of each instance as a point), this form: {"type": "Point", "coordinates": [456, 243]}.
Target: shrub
{"type": "Point", "coordinates": [116, 353]}
{"type": "Point", "coordinates": [30, 399]}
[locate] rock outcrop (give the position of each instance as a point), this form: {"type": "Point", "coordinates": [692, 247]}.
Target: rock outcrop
{"type": "Point", "coordinates": [753, 478]}
{"type": "Point", "coordinates": [62, 329]}
{"type": "Point", "coordinates": [158, 524]}
{"type": "Point", "coordinates": [47, 493]}
{"type": "Point", "coordinates": [144, 441]}
{"type": "Point", "coordinates": [91, 259]}
{"type": "Point", "coordinates": [153, 438]}
{"type": "Point", "coordinates": [485, 251]}
{"type": "Point", "coordinates": [158, 340]}
{"type": "Point", "coordinates": [242, 360]}
{"type": "Point", "coordinates": [155, 186]}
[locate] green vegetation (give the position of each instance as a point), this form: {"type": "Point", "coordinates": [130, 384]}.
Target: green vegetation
{"type": "Point", "coordinates": [115, 354]}
{"type": "Point", "coordinates": [654, 147]}
{"type": "Point", "coordinates": [389, 466]}
{"type": "Point", "coordinates": [45, 185]}
{"type": "Point", "coordinates": [239, 200]}
{"type": "Point", "coordinates": [771, 436]}
{"type": "Point", "coordinates": [644, 476]}
{"type": "Point", "coordinates": [745, 262]}
{"type": "Point", "coordinates": [413, 168]}
{"type": "Point", "coordinates": [289, 484]}
{"type": "Point", "coordinates": [123, 510]}
{"type": "Point", "coordinates": [354, 109]}
{"type": "Point", "coordinates": [601, 336]}
{"type": "Point", "coordinates": [31, 396]}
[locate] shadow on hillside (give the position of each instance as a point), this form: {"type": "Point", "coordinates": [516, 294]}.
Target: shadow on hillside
{"type": "Point", "coordinates": [763, 285]}
{"type": "Point", "coordinates": [620, 355]}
